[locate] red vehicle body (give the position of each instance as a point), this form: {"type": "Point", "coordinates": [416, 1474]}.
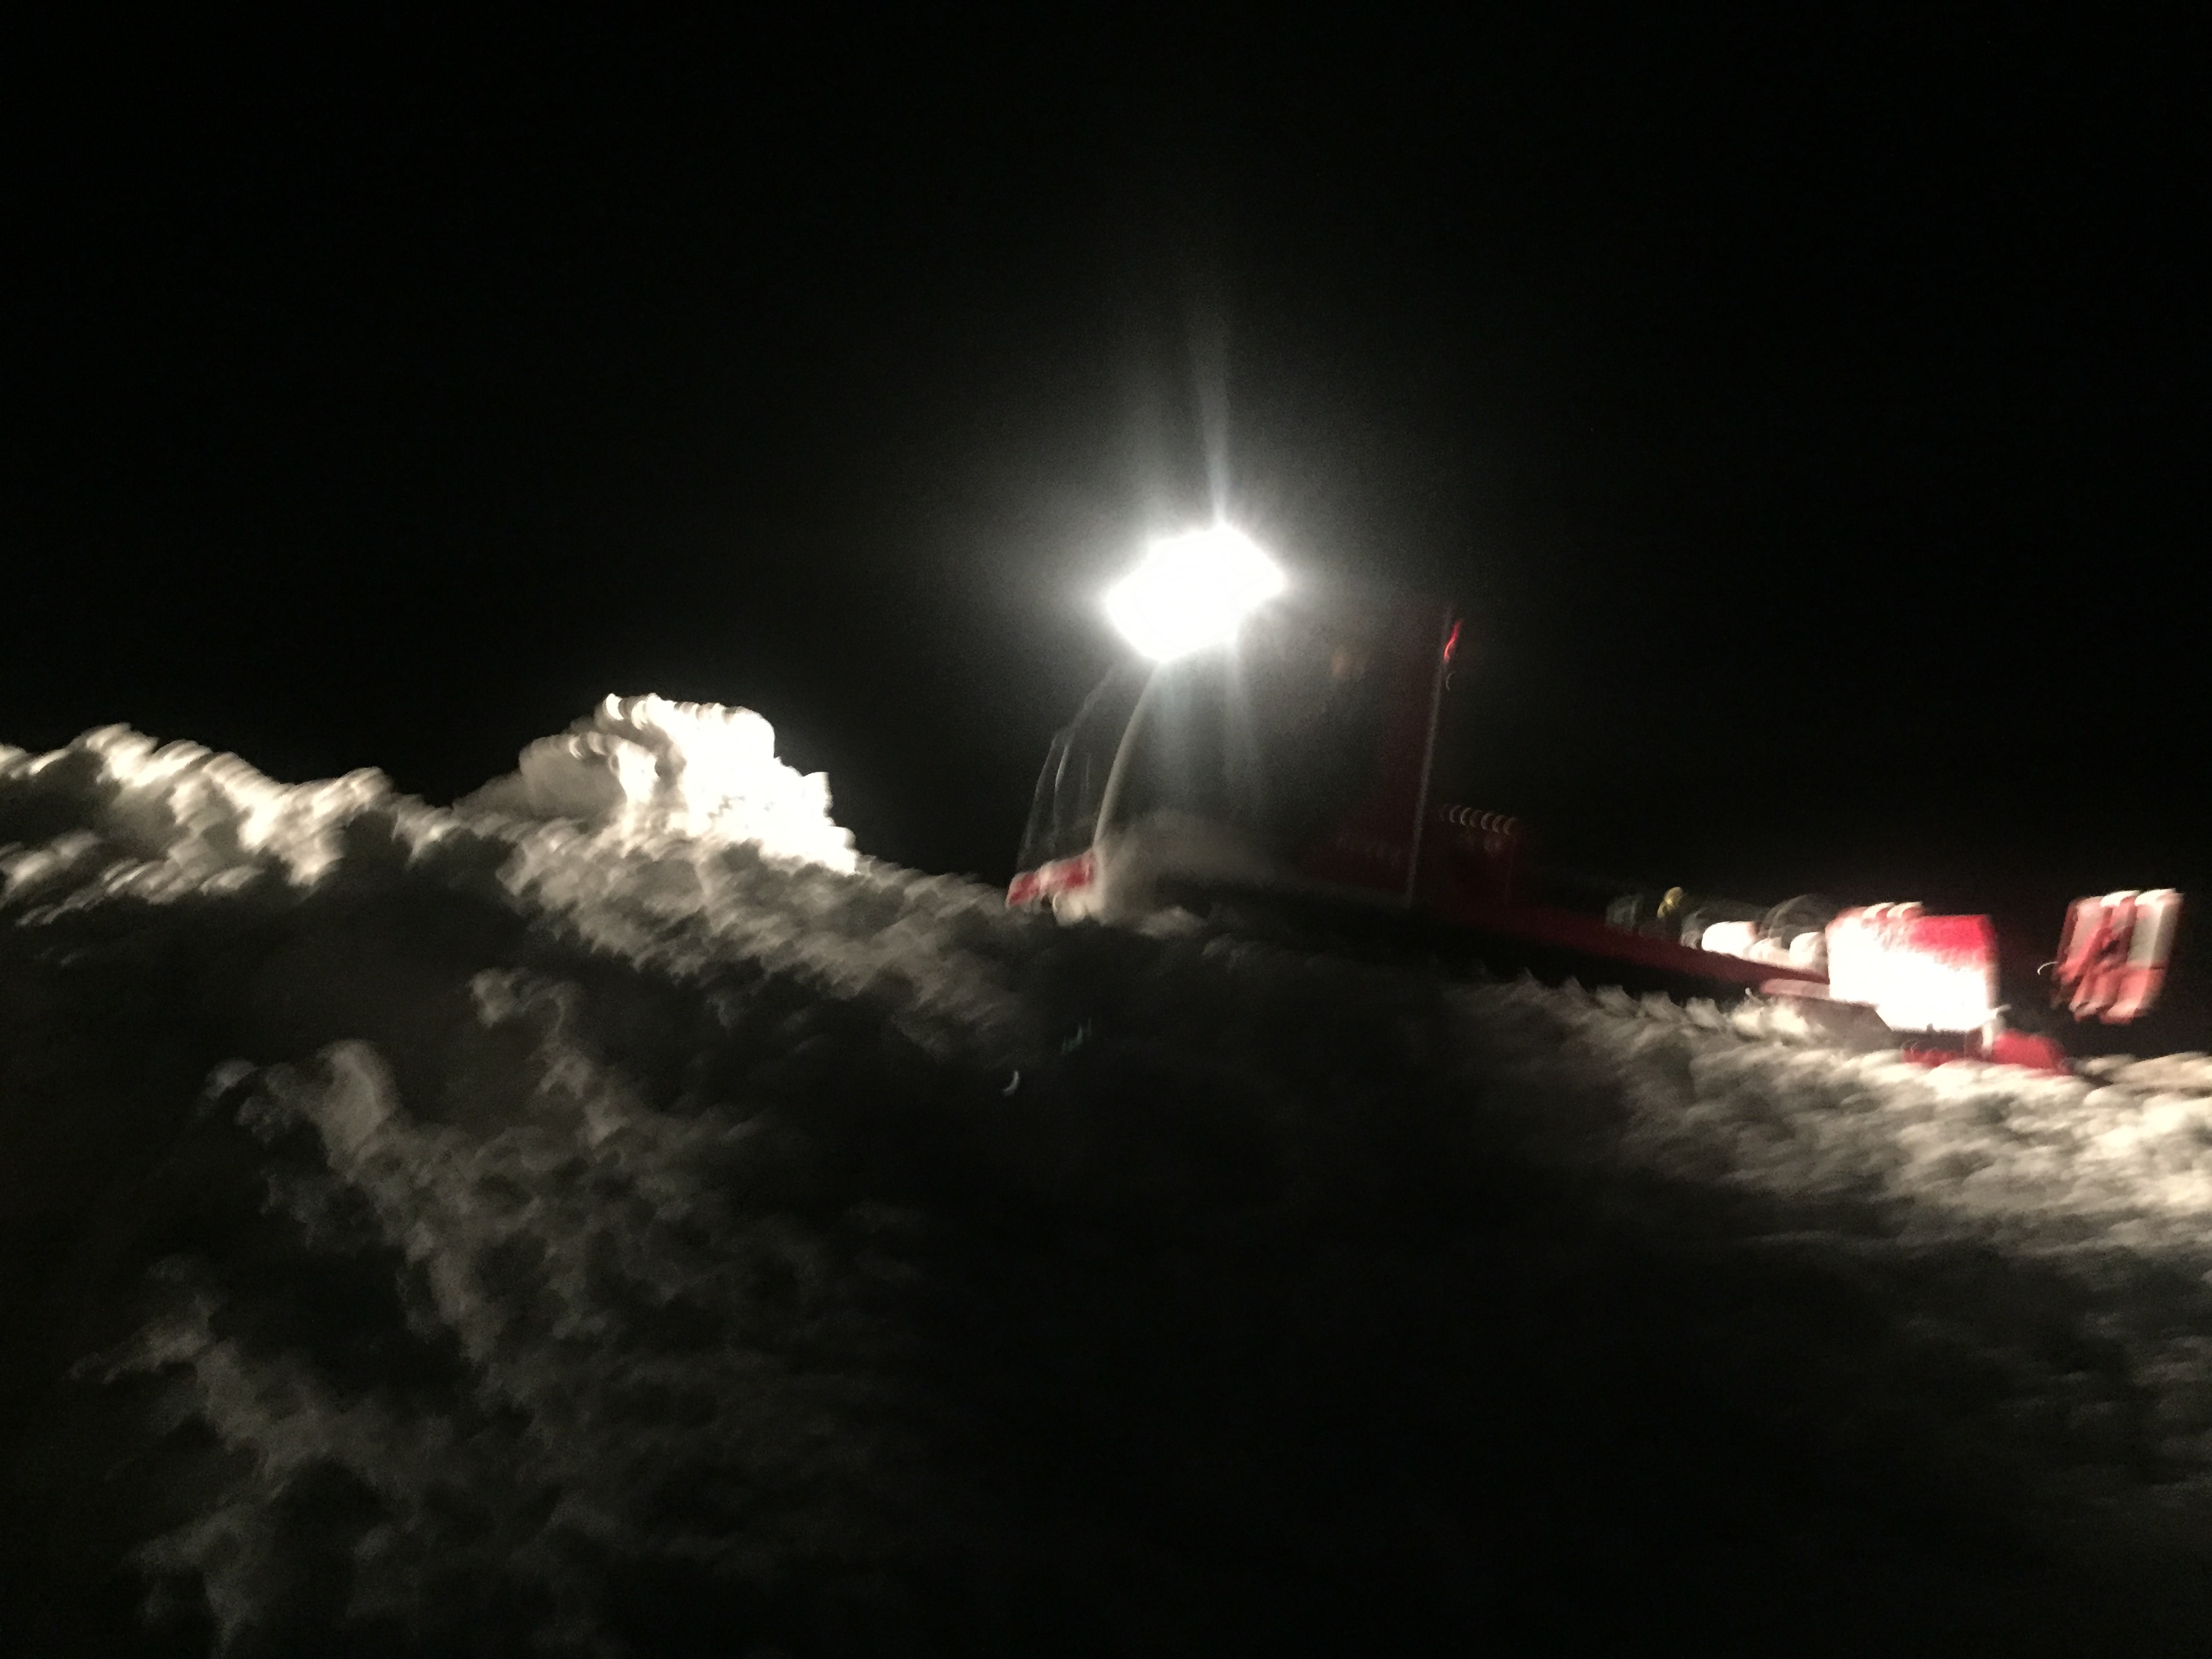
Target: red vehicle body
{"type": "Point", "coordinates": [1311, 765]}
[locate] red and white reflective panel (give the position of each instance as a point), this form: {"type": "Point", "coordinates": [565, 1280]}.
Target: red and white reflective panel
{"type": "Point", "coordinates": [1920, 973]}
{"type": "Point", "coordinates": [2112, 956]}
{"type": "Point", "coordinates": [1060, 876]}
{"type": "Point", "coordinates": [1481, 851]}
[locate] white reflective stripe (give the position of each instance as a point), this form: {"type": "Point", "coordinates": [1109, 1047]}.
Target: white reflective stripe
{"type": "Point", "coordinates": [1468, 817]}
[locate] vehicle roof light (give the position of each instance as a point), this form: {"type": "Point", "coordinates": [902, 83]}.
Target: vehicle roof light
{"type": "Point", "coordinates": [1192, 592]}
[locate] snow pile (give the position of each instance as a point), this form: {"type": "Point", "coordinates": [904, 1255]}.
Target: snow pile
{"type": "Point", "coordinates": [2044, 1164]}
{"type": "Point", "coordinates": [112, 816]}
{"type": "Point", "coordinates": [577, 1226]}
{"type": "Point", "coordinates": [2054, 1234]}
{"type": "Point", "coordinates": [644, 764]}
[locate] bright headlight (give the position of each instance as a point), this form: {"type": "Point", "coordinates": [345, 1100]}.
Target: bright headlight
{"type": "Point", "coordinates": [1192, 592]}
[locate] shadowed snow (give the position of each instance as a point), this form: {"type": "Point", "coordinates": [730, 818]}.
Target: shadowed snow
{"type": "Point", "coordinates": [609, 1217]}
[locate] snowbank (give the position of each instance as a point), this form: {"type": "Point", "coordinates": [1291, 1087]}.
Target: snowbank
{"type": "Point", "coordinates": [647, 765]}
{"type": "Point", "coordinates": [114, 816]}
{"type": "Point", "coordinates": [608, 1216]}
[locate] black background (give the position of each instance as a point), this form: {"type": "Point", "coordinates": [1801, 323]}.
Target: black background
{"type": "Point", "coordinates": [1809, 413]}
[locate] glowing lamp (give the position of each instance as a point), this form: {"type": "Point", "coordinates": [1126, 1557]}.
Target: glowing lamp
{"type": "Point", "coordinates": [1192, 592]}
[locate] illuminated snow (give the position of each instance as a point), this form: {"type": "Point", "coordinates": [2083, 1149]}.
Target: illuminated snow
{"type": "Point", "coordinates": [646, 765]}
{"type": "Point", "coordinates": [157, 821]}
{"type": "Point", "coordinates": [650, 1197]}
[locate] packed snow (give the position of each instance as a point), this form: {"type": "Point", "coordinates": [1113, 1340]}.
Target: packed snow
{"type": "Point", "coordinates": [611, 1216]}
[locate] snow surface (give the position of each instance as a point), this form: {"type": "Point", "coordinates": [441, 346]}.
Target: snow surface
{"type": "Point", "coordinates": [610, 1210]}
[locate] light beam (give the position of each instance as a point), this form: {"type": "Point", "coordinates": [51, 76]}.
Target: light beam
{"type": "Point", "coordinates": [1192, 592]}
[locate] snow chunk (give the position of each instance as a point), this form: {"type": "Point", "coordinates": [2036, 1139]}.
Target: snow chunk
{"type": "Point", "coordinates": [159, 822]}
{"type": "Point", "coordinates": [647, 766]}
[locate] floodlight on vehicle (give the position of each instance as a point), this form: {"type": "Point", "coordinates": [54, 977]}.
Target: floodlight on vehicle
{"type": "Point", "coordinates": [1192, 592]}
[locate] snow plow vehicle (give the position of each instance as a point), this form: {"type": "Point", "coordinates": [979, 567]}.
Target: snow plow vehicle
{"type": "Point", "coordinates": [1285, 751]}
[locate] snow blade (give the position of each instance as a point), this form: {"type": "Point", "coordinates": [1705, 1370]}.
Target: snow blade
{"type": "Point", "coordinates": [2112, 955]}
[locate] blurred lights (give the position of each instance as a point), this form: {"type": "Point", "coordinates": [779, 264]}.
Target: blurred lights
{"type": "Point", "coordinates": [1919, 972]}
{"type": "Point", "coordinates": [1192, 592]}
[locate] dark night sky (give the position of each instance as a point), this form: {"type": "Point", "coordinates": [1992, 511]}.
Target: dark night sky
{"type": "Point", "coordinates": [1812, 417]}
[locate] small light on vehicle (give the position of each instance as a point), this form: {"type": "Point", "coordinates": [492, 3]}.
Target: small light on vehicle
{"type": "Point", "coordinates": [1192, 592]}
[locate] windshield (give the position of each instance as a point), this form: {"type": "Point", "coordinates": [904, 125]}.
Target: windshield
{"type": "Point", "coordinates": [1064, 811]}
{"type": "Point", "coordinates": [1276, 738]}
